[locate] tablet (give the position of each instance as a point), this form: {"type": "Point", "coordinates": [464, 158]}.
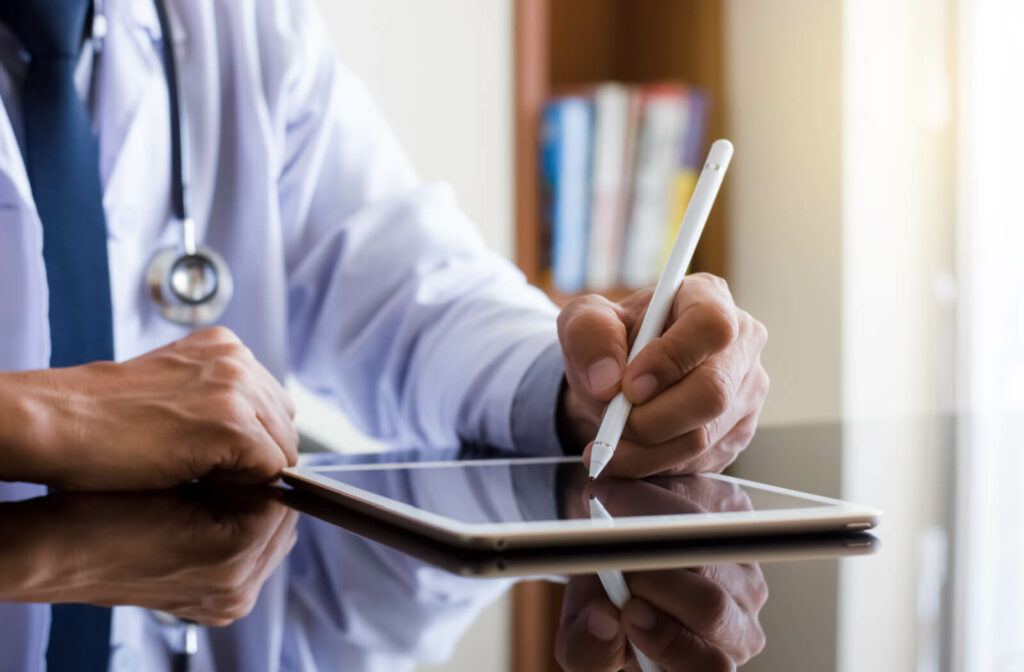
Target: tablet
{"type": "Point", "coordinates": [570, 560]}
{"type": "Point", "coordinates": [542, 502]}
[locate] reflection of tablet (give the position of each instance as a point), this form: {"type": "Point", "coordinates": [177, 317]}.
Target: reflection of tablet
{"type": "Point", "coordinates": [586, 560]}
{"type": "Point", "coordinates": [539, 502]}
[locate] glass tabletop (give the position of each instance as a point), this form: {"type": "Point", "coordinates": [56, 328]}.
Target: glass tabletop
{"type": "Point", "coordinates": [268, 578]}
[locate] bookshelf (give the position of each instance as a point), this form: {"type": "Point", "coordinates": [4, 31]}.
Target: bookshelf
{"type": "Point", "coordinates": [560, 44]}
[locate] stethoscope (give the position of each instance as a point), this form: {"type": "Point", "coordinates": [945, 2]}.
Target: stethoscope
{"type": "Point", "coordinates": [189, 282]}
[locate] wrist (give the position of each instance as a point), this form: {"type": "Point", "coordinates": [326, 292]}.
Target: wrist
{"type": "Point", "coordinates": [575, 426]}
{"type": "Point", "coordinates": [30, 424]}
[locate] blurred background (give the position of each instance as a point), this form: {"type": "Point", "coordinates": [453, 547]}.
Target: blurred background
{"type": "Point", "coordinates": [870, 219]}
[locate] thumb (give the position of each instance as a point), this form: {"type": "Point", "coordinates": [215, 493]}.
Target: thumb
{"type": "Point", "coordinates": [593, 337]}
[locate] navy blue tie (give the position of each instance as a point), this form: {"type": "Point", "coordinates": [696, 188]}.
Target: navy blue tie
{"type": "Point", "coordinates": [63, 168]}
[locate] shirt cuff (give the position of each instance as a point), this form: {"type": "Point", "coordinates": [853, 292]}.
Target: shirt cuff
{"type": "Point", "coordinates": [535, 405]}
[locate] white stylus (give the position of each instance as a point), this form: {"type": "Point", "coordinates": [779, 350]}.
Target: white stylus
{"type": "Point", "coordinates": [615, 586]}
{"type": "Point", "coordinates": [668, 284]}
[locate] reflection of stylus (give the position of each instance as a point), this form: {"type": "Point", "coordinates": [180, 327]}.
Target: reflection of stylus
{"type": "Point", "coordinates": [615, 585]}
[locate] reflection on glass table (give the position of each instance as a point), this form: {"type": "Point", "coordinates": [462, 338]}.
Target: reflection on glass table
{"type": "Point", "coordinates": [277, 590]}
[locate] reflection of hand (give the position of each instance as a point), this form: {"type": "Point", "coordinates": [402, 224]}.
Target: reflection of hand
{"type": "Point", "coordinates": [692, 493]}
{"type": "Point", "coordinates": [701, 620]}
{"type": "Point", "coordinates": [684, 619]}
{"type": "Point", "coordinates": [667, 495]}
{"type": "Point", "coordinates": [697, 389]}
{"type": "Point", "coordinates": [199, 560]}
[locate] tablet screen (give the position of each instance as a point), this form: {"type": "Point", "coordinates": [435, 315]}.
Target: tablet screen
{"type": "Point", "coordinates": [549, 489]}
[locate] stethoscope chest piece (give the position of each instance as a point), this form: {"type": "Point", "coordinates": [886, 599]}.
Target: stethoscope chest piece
{"type": "Point", "coordinates": [191, 288]}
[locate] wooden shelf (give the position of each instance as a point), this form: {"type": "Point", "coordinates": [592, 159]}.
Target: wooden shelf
{"type": "Point", "coordinates": [567, 43]}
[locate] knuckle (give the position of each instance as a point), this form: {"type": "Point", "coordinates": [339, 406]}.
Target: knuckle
{"type": "Point", "coordinates": [744, 436]}
{"type": "Point", "coordinates": [581, 306]}
{"type": "Point", "coordinates": [757, 643]}
{"type": "Point", "coordinates": [719, 661]}
{"type": "Point", "coordinates": [219, 334]}
{"type": "Point", "coordinates": [228, 369]}
{"type": "Point", "coordinates": [714, 622]}
{"type": "Point", "coordinates": [669, 348]}
{"type": "Point", "coordinates": [717, 322]}
{"type": "Point", "coordinates": [763, 382]}
{"type": "Point", "coordinates": [718, 281]}
{"type": "Point", "coordinates": [674, 646]}
{"type": "Point", "coordinates": [240, 608]}
{"type": "Point", "coordinates": [231, 407]}
{"type": "Point", "coordinates": [760, 331]}
{"type": "Point", "coordinates": [760, 591]}
{"type": "Point", "coordinates": [702, 439]}
{"type": "Point", "coordinates": [717, 393]}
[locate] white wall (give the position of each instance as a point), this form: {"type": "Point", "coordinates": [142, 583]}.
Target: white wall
{"type": "Point", "coordinates": [441, 72]}
{"type": "Point", "coordinates": [783, 67]}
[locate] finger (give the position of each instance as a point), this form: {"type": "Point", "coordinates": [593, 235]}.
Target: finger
{"type": "Point", "coordinates": [278, 545]}
{"type": "Point", "coordinates": [704, 321]}
{"type": "Point", "coordinates": [640, 460]}
{"type": "Point", "coordinates": [631, 497]}
{"type": "Point", "coordinates": [275, 409]}
{"type": "Point", "coordinates": [744, 581]}
{"type": "Point", "coordinates": [725, 452]}
{"type": "Point", "coordinates": [668, 643]}
{"type": "Point", "coordinates": [705, 493]}
{"type": "Point", "coordinates": [708, 395]}
{"type": "Point", "coordinates": [700, 450]}
{"type": "Point", "coordinates": [278, 424]}
{"type": "Point", "coordinates": [253, 456]}
{"type": "Point", "coordinates": [705, 607]}
{"type": "Point", "coordinates": [590, 636]}
{"type": "Point", "coordinates": [593, 337]}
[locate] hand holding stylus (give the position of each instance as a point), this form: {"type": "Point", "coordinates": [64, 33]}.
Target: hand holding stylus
{"type": "Point", "coordinates": [693, 385]}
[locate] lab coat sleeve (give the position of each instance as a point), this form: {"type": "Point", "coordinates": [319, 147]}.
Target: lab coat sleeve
{"type": "Point", "coordinates": [398, 311]}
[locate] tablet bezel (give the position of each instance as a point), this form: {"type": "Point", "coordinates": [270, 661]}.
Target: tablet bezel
{"type": "Point", "coordinates": [831, 515]}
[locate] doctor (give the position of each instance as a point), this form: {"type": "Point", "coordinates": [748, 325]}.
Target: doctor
{"type": "Point", "coordinates": [153, 157]}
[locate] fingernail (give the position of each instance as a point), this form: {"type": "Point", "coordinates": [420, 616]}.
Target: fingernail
{"type": "Point", "coordinates": [603, 374]}
{"type": "Point", "coordinates": [641, 615]}
{"type": "Point", "coordinates": [644, 387]}
{"type": "Point", "coordinates": [602, 625]}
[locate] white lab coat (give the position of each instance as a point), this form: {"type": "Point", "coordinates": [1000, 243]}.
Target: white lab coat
{"type": "Point", "coordinates": [372, 288]}
{"type": "Point", "coordinates": [369, 286]}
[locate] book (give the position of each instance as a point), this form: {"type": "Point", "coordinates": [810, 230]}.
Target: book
{"type": "Point", "coordinates": [616, 117]}
{"type": "Point", "coordinates": [566, 146]}
{"type": "Point", "coordinates": [692, 150]}
{"type": "Point", "coordinates": [664, 120]}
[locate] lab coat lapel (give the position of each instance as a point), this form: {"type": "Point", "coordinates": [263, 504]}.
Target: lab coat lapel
{"type": "Point", "coordinates": [16, 188]}
{"type": "Point", "coordinates": [24, 323]}
{"type": "Point", "coordinates": [132, 106]}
